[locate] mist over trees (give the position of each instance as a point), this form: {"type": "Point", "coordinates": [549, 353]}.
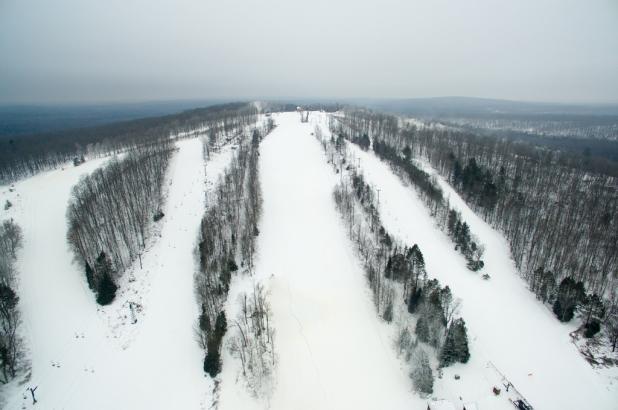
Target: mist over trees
{"type": "Point", "coordinates": [25, 155]}
{"type": "Point", "coordinates": [11, 348]}
{"type": "Point", "coordinates": [559, 218]}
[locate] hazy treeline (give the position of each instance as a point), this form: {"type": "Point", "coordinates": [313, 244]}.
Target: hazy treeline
{"type": "Point", "coordinates": [110, 212]}
{"type": "Point", "coordinates": [396, 274]}
{"type": "Point", "coordinates": [560, 220]}
{"type": "Point", "coordinates": [363, 128]}
{"type": "Point", "coordinates": [11, 349]}
{"type": "Point", "coordinates": [227, 239]}
{"type": "Point", "coordinates": [553, 126]}
{"type": "Point", "coordinates": [26, 155]}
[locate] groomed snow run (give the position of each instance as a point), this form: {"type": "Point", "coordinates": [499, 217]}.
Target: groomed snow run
{"type": "Point", "coordinates": [334, 352]}
{"type": "Point", "coordinates": [509, 331]}
{"type": "Point", "coordinates": [81, 356]}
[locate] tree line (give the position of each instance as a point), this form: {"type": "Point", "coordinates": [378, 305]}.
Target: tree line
{"type": "Point", "coordinates": [396, 274]}
{"type": "Point", "coordinates": [560, 219]}
{"type": "Point", "coordinates": [110, 213]}
{"type": "Point", "coordinates": [226, 244]}
{"type": "Point", "coordinates": [558, 215]}
{"type": "Point", "coordinates": [356, 127]}
{"type": "Point", "coordinates": [26, 155]}
{"type": "Point", "coordinates": [11, 347]}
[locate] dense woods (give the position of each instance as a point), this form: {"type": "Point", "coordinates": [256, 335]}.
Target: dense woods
{"type": "Point", "coordinates": [25, 155]}
{"type": "Point", "coordinates": [559, 218]}
{"type": "Point", "coordinates": [358, 129]}
{"type": "Point", "coordinates": [226, 245]}
{"type": "Point", "coordinates": [10, 343]}
{"type": "Point", "coordinates": [402, 292]}
{"type": "Point", "coordinates": [110, 212]}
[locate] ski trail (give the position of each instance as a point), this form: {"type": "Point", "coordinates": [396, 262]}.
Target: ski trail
{"type": "Point", "coordinates": [328, 335]}
{"type": "Point", "coordinates": [161, 367]}
{"type": "Point", "coordinates": [506, 324]}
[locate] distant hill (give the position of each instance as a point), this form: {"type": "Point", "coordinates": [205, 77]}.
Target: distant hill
{"type": "Point", "coordinates": [440, 107]}
{"type": "Point", "coordinates": [18, 120]}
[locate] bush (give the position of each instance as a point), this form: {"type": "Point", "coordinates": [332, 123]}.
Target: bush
{"type": "Point", "coordinates": [212, 363]}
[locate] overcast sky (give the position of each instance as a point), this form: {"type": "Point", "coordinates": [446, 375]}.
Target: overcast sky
{"type": "Point", "coordinates": [131, 50]}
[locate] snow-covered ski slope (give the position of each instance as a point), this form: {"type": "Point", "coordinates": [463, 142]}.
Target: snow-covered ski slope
{"type": "Point", "coordinates": [84, 358]}
{"type": "Point", "coordinates": [334, 352]}
{"type": "Point", "coordinates": [507, 326]}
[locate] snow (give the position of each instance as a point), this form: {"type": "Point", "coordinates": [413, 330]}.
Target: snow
{"type": "Point", "coordinates": [510, 332]}
{"type": "Point", "coordinates": [85, 358]}
{"type": "Point", "coordinates": [334, 352]}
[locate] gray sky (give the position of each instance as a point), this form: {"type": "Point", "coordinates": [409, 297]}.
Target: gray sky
{"type": "Point", "coordinates": [130, 50]}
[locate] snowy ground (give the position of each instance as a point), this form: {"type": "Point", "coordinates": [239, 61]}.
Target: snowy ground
{"type": "Point", "coordinates": [334, 352]}
{"type": "Point", "coordinates": [507, 326]}
{"type": "Point", "coordinates": [83, 357]}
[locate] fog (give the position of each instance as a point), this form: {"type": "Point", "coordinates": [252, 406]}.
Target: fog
{"type": "Point", "coordinates": [132, 50]}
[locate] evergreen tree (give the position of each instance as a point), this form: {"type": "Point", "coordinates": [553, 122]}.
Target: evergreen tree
{"type": "Point", "coordinates": [415, 299]}
{"type": "Point", "coordinates": [455, 347]}
{"type": "Point", "coordinates": [212, 361]}
{"type": "Point", "coordinates": [570, 294]}
{"type": "Point", "coordinates": [106, 288]}
{"type": "Point", "coordinates": [407, 153]}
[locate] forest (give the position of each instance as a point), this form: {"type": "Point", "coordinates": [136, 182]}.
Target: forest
{"type": "Point", "coordinates": [11, 346]}
{"type": "Point", "coordinates": [558, 217]}
{"type": "Point", "coordinates": [25, 155]}
{"type": "Point", "coordinates": [358, 131]}
{"type": "Point", "coordinates": [226, 246]}
{"type": "Point", "coordinates": [402, 292]}
{"type": "Point", "coordinates": [110, 213]}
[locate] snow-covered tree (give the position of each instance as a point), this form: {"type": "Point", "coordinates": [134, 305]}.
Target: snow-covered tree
{"type": "Point", "coordinates": [421, 373]}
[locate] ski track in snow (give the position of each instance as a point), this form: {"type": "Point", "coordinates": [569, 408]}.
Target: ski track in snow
{"type": "Point", "coordinates": [77, 360]}
{"type": "Point", "coordinates": [329, 338]}
{"type": "Point", "coordinates": [333, 350]}
{"type": "Point", "coordinates": [507, 326]}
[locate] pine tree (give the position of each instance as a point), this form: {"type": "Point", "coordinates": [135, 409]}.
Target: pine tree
{"type": "Point", "coordinates": [415, 299]}
{"type": "Point", "coordinates": [212, 361]}
{"type": "Point", "coordinates": [106, 288]}
{"type": "Point", "coordinates": [570, 294]}
{"type": "Point", "coordinates": [455, 347]}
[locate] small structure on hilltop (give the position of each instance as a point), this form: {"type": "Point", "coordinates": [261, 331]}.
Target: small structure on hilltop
{"type": "Point", "coordinates": [304, 115]}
